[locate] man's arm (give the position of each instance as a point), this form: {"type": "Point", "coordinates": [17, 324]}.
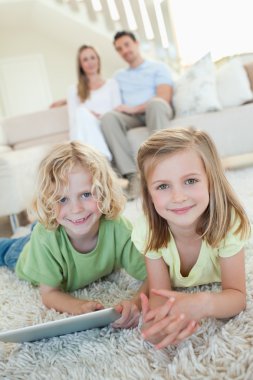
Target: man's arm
{"type": "Point", "coordinates": [163, 91]}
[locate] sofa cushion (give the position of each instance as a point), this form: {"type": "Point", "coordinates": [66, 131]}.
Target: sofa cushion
{"type": "Point", "coordinates": [35, 126]}
{"type": "Point", "coordinates": [49, 139]}
{"type": "Point", "coordinates": [249, 70]}
{"type": "Point", "coordinates": [3, 140]}
{"type": "Point", "coordinates": [5, 148]}
{"type": "Point", "coordinates": [195, 92]}
{"type": "Point", "coordinates": [233, 85]}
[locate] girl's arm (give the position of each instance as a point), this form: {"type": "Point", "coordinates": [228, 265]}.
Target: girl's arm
{"type": "Point", "coordinates": [158, 278]}
{"type": "Point", "coordinates": [54, 298]}
{"type": "Point", "coordinates": [232, 299]}
{"type": "Point", "coordinates": [179, 320]}
{"type": "Point", "coordinates": [158, 326]}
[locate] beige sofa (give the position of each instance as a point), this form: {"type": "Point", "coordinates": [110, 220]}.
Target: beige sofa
{"type": "Point", "coordinates": [24, 140]}
{"type": "Point", "coordinates": [230, 128]}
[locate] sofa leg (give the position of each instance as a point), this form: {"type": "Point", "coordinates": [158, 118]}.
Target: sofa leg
{"type": "Point", "coordinates": [14, 222]}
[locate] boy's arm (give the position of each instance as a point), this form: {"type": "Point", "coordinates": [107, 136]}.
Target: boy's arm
{"type": "Point", "coordinates": [54, 298]}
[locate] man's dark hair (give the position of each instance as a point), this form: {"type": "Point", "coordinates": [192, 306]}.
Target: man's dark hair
{"type": "Point", "coordinates": [124, 33]}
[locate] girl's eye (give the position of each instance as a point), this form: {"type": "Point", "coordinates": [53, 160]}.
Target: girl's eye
{"type": "Point", "coordinates": [163, 186]}
{"type": "Point", "coordinates": [63, 200]}
{"type": "Point", "coordinates": [86, 195]}
{"type": "Point", "coordinates": [190, 181]}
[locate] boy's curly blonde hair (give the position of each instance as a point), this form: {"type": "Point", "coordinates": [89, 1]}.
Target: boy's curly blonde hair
{"type": "Point", "coordinates": [52, 182]}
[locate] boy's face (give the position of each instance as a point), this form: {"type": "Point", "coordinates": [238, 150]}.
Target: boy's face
{"type": "Point", "coordinates": [78, 210]}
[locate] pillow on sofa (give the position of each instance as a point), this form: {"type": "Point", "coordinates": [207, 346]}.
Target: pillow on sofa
{"type": "Point", "coordinates": [249, 70]}
{"type": "Point", "coordinates": [195, 92]}
{"type": "Point", "coordinates": [233, 85]}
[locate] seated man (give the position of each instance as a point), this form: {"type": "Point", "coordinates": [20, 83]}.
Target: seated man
{"type": "Point", "coordinates": [146, 90]}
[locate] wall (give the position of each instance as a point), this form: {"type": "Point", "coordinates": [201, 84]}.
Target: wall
{"type": "Point", "coordinates": [38, 31]}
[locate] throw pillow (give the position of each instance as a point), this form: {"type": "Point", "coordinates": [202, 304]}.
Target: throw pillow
{"type": "Point", "coordinates": [233, 85]}
{"type": "Point", "coordinates": [249, 70]}
{"type": "Point", "coordinates": [195, 92]}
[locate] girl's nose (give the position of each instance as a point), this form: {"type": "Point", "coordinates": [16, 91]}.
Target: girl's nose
{"type": "Point", "coordinates": [178, 195]}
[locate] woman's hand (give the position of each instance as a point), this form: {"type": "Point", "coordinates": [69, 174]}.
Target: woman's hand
{"type": "Point", "coordinates": [130, 314]}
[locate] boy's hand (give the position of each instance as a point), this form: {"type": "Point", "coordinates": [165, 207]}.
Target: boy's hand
{"type": "Point", "coordinates": [130, 314]}
{"type": "Point", "coordinates": [87, 307]}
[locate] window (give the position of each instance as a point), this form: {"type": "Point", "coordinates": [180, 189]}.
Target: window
{"type": "Point", "coordinates": [222, 27]}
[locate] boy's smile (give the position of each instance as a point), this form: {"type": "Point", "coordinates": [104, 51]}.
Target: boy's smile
{"type": "Point", "coordinates": [78, 210]}
{"type": "Point", "coordinates": [178, 186]}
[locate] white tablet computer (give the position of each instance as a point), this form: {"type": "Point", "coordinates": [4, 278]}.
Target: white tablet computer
{"type": "Point", "coordinates": [69, 325]}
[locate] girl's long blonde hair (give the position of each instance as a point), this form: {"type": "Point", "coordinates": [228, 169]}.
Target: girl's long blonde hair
{"type": "Point", "coordinates": [224, 208]}
{"type": "Point", "coordinates": [52, 182]}
{"type": "Point", "coordinates": [83, 89]}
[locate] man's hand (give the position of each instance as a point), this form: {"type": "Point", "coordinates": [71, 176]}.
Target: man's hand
{"type": "Point", "coordinates": [127, 109]}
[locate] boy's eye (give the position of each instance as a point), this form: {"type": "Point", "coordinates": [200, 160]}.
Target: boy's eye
{"type": "Point", "coordinates": [190, 181]}
{"type": "Point", "coordinates": [163, 186]}
{"type": "Point", "coordinates": [63, 200]}
{"type": "Point", "coordinates": [86, 195]}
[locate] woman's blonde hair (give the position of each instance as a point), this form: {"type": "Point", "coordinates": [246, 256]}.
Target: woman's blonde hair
{"type": "Point", "coordinates": [83, 90]}
{"type": "Point", "coordinates": [52, 182]}
{"type": "Point", "coordinates": [218, 217]}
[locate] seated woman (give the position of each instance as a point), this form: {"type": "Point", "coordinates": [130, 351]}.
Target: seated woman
{"type": "Point", "coordinates": [89, 100]}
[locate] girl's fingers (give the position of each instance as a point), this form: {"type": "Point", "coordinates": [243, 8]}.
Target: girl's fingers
{"type": "Point", "coordinates": [188, 331]}
{"type": "Point", "coordinates": [162, 292]}
{"type": "Point", "coordinates": [144, 304]}
{"type": "Point", "coordinates": [178, 338]}
{"type": "Point", "coordinates": [165, 326]}
{"type": "Point", "coordinates": [160, 312]}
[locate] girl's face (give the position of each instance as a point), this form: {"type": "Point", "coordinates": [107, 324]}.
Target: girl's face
{"type": "Point", "coordinates": [179, 189]}
{"type": "Point", "coordinates": [89, 61]}
{"type": "Point", "coordinates": [78, 210]}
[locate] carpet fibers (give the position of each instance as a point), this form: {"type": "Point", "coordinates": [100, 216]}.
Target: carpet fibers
{"type": "Point", "coordinates": [218, 350]}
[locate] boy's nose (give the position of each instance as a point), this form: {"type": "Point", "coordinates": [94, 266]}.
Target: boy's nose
{"type": "Point", "coordinates": [76, 206]}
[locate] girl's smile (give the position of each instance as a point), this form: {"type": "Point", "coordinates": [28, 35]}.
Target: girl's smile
{"type": "Point", "coordinates": [182, 210]}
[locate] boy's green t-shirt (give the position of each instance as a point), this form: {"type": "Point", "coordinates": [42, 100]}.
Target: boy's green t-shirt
{"type": "Point", "coordinates": [50, 259]}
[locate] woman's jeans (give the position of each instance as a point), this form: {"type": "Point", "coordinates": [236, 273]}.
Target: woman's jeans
{"type": "Point", "coordinates": [10, 250]}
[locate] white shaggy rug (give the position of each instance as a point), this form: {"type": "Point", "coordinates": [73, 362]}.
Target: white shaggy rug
{"type": "Point", "coordinates": [220, 350]}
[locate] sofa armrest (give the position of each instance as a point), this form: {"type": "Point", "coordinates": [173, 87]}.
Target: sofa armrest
{"type": "Point", "coordinates": [35, 126]}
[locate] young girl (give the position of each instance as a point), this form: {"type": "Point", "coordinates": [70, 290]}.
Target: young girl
{"type": "Point", "coordinates": [80, 235]}
{"type": "Point", "coordinates": [193, 233]}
